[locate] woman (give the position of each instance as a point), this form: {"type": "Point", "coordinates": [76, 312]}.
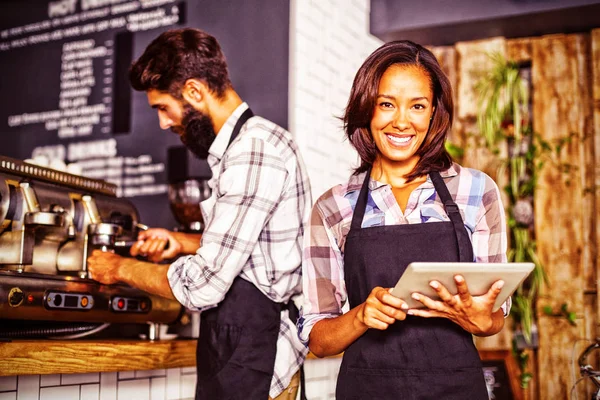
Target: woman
{"type": "Point", "coordinates": [407, 201]}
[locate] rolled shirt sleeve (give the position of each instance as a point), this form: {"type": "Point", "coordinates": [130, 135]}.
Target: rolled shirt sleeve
{"type": "Point", "coordinates": [251, 182]}
{"type": "Point", "coordinates": [323, 274]}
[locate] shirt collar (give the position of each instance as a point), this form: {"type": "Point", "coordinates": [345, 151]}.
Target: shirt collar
{"type": "Point", "coordinates": [356, 181]}
{"type": "Point", "coordinates": [219, 146]}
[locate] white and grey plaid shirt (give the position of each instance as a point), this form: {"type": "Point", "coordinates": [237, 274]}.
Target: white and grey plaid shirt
{"type": "Point", "coordinates": [254, 226]}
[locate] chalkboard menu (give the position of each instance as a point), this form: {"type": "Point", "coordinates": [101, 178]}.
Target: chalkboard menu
{"type": "Point", "coordinates": [65, 94]}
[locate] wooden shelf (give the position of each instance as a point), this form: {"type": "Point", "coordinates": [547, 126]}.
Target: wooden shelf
{"type": "Point", "coordinates": [28, 357]}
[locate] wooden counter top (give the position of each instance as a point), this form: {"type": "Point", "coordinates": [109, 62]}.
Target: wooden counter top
{"type": "Point", "coordinates": [32, 357]}
{"type": "Point", "coordinates": [41, 357]}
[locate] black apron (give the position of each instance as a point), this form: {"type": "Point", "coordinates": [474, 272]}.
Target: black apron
{"type": "Point", "coordinates": [238, 339]}
{"type": "Point", "coordinates": [418, 358]}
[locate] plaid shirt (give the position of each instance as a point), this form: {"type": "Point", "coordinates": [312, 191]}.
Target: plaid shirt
{"type": "Point", "coordinates": [254, 226]}
{"type": "Point", "coordinates": [475, 193]}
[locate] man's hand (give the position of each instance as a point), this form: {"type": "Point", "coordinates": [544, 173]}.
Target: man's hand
{"type": "Point", "coordinates": [473, 313]}
{"type": "Point", "coordinates": [109, 268]}
{"type": "Point", "coordinates": [152, 243]}
{"type": "Point", "coordinates": [381, 309]}
{"type": "Point", "coordinates": [104, 266]}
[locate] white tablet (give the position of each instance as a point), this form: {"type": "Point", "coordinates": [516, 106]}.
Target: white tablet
{"type": "Point", "coordinates": [479, 278]}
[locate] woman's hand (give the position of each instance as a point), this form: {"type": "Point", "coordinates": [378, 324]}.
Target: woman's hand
{"type": "Point", "coordinates": [152, 243]}
{"type": "Point", "coordinates": [381, 309]}
{"type": "Point", "coordinates": [473, 313]}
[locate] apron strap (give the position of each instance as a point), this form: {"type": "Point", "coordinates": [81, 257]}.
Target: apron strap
{"type": "Point", "coordinates": [361, 203]}
{"type": "Point", "coordinates": [454, 215]}
{"type": "Point", "coordinates": [246, 115]}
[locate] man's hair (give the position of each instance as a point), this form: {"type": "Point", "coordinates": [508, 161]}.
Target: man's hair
{"type": "Point", "coordinates": [176, 56]}
{"type": "Point", "coordinates": [363, 98]}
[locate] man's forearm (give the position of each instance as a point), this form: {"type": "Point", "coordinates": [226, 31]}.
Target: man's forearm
{"type": "Point", "coordinates": [190, 242]}
{"type": "Point", "coordinates": [149, 277]}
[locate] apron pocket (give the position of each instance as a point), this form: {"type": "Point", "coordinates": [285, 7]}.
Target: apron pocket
{"type": "Point", "coordinates": [216, 345]}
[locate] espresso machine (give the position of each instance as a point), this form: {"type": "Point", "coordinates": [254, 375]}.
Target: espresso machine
{"type": "Point", "coordinates": [50, 222]}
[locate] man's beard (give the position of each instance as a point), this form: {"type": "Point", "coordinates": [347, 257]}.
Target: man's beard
{"type": "Point", "coordinates": [198, 131]}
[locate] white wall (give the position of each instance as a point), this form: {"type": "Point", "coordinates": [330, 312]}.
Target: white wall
{"type": "Point", "coordinates": [329, 40]}
{"type": "Point", "coordinates": [163, 384]}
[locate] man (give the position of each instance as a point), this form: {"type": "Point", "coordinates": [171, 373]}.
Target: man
{"type": "Point", "coordinates": [245, 269]}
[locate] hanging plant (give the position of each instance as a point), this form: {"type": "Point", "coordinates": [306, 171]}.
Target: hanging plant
{"type": "Point", "coordinates": [503, 121]}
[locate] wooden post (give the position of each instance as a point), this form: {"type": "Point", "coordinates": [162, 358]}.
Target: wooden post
{"type": "Point", "coordinates": [564, 209]}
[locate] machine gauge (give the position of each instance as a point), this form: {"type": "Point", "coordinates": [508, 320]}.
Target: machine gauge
{"type": "Point", "coordinates": [130, 304]}
{"type": "Point", "coordinates": [69, 301]}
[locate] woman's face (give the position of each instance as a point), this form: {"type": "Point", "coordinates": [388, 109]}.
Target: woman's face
{"type": "Point", "coordinates": [402, 115]}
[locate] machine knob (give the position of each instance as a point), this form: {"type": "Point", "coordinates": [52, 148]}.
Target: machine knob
{"type": "Point", "coordinates": [15, 297]}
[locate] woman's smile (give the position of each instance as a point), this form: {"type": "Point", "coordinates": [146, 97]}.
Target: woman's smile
{"type": "Point", "coordinates": [400, 140]}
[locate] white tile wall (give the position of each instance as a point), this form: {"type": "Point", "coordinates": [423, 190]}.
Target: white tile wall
{"type": "Point", "coordinates": [108, 385]}
{"type": "Point", "coordinates": [320, 377]}
{"type": "Point", "coordinates": [329, 40]}
{"type": "Point", "coordinates": [28, 387]}
{"type": "Point", "coordinates": [138, 389]}
{"type": "Point", "coordinates": [60, 393]}
{"type": "Point", "coordinates": [50, 380]}
{"type": "Point", "coordinates": [152, 372]}
{"type": "Point", "coordinates": [158, 388]}
{"type": "Point", "coordinates": [78, 379]}
{"type": "Point", "coordinates": [188, 386]}
{"type": "Point", "coordinates": [126, 375]}
{"type": "Point", "coordinates": [8, 383]}
{"type": "Point", "coordinates": [90, 392]}
{"type": "Point", "coordinates": [171, 384]}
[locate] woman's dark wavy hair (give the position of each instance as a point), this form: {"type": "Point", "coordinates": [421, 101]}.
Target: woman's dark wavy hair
{"type": "Point", "coordinates": [363, 99]}
{"type": "Point", "coordinates": [176, 56]}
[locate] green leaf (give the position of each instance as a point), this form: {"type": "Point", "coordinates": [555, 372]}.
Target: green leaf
{"type": "Point", "coordinates": [547, 310]}
{"type": "Point", "coordinates": [455, 151]}
{"type": "Point", "coordinates": [525, 379]}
